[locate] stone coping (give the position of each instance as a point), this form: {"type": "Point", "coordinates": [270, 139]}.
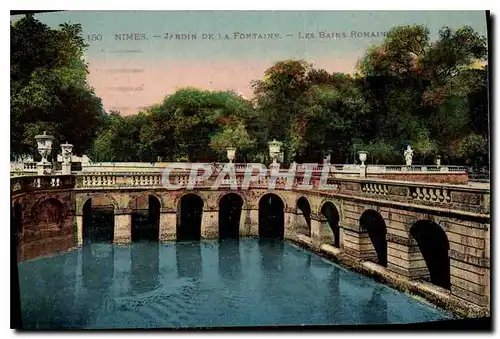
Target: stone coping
{"type": "Point", "coordinates": [436, 295]}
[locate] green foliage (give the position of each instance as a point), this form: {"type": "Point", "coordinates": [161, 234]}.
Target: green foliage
{"type": "Point", "coordinates": [407, 90]}
{"type": "Point", "coordinates": [49, 90]}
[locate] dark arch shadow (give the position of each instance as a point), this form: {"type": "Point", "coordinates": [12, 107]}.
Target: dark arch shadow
{"type": "Point", "coordinates": [433, 244]}
{"type": "Point", "coordinates": [304, 207]}
{"type": "Point", "coordinates": [188, 259]}
{"type": "Point", "coordinates": [98, 223]}
{"type": "Point", "coordinates": [271, 255]}
{"type": "Point", "coordinates": [330, 213]}
{"type": "Point", "coordinates": [146, 221]}
{"type": "Point", "coordinates": [189, 217]}
{"type": "Point", "coordinates": [271, 217]}
{"type": "Point", "coordinates": [374, 224]}
{"type": "Point", "coordinates": [229, 259]}
{"type": "Point", "coordinates": [229, 216]}
{"type": "Point", "coordinates": [98, 266]}
{"type": "Point", "coordinates": [17, 219]}
{"type": "Point", "coordinates": [144, 258]}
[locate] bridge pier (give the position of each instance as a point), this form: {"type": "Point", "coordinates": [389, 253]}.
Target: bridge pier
{"type": "Point", "coordinates": [168, 225]}
{"type": "Point", "coordinates": [290, 217]}
{"type": "Point", "coordinates": [210, 224]}
{"type": "Point", "coordinates": [356, 242]}
{"type": "Point", "coordinates": [79, 229]}
{"type": "Point", "coordinates": [123, 227]}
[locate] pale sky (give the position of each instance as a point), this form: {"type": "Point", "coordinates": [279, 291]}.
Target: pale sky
{"type": "Point", "coordinates": [224, 51]}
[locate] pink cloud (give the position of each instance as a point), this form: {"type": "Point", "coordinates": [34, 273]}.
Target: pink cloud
{"type": "Point", "coordinates": [146, 82]}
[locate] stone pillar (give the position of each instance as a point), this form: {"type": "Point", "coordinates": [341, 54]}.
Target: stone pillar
{"type": "Point", "coordinates": [301, 226]}
{"type": "Point", "coordinates": [249, 222]}
{"type": "Point", "coordinates": [316, 232]}
{"type": "Point", "coordinates": [79, 230]}
{"type": "Point", "coordinates": [290, 217]}
{"type": "Point", "coordinates": [123, 227]}
{"type": "Point", "coordinates": [245, 223]}
{"type": "Point", "coordinates": [210, 225]}
{"type": "Point", "coordinates": [470, 261]}
{"type": "Point", "coordinates": [168, 225]}
{"type": "Point", "coordinates": [356, 242]}
{"type": "Point", "coordinates": [404, 257]}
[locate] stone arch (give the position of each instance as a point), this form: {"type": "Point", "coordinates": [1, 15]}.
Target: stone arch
{"type": "Point", "coordinates": [135, 196]}
{"type": "Point", "coordinates": [97, 222]}
{"type": "Point", "coordinates": [303, 215]}
{"type": "Point", "coordinates": [334, 202]}
{"type": "Point", "coordinates": [271, 216]}
{"type": "Point", "coordinates": [434, 246]}
{"type": "Point", "coordinates": [145, 210]}
{"type": "Point", "coordinates": [189, 216]}
{"type": "Point", "coordinates": [179, 197]}
{"type": "Point", "coordinates": [49, 211]}
{"type": "Point", "coordinates": [222, 194]}
{"type": "Point", "coordinates": [81, 199]}
{"type": "Point", "coordinates": [373, 223]}
{"type": "Point", "coordinates": [230, 206]}
{"type": "Point", "coordinates": [330, 218]}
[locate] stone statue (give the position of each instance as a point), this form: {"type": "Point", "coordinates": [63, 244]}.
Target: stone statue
{"type": "Point", "coordinates": [408, 154]}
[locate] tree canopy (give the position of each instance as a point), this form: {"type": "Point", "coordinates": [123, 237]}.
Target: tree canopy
{"type": "Point", "coordinates": [432, 95]}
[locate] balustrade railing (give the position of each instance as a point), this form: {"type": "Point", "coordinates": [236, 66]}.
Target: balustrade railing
{"type": "Point", "coordinates": [33, 183]}
{"type": "Point", "coordinates": [449, 196]}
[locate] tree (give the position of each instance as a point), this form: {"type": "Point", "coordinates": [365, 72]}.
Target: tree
{"type": "Point", "coordinates": [49, 90]}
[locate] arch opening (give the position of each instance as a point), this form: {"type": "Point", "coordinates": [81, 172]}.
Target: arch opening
{"type": "Point", "coordinates": [98, 220]}
{"type": "Point", "coordinates": [17, 219]}
{"type": "Point", "coordinates": [189, 218]}
{"type": "Point", "coordinates": [303, 220]}
{"type": "Point", "coordinates": [330, 224]}
{"type": "Point", "coordinates": [229, 216]}
{"type": "Point", "coordinates": [145, 218]}
{"type": "Point", "coordinates": [433, 244]}
{"type": "Point", "coordinates": [374, 224]}
{"type": "Point", "coordinates": [271, 217]}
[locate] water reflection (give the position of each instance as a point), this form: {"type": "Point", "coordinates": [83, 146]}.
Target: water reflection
{"type": "Point", "coordinates": [144, 258]}
{"type": "Point", "coordinates": [48, 290]}
{"type": "Point", "coordinates": [229, 259]}
{"type": "Point", "coordinates": [375, 310]}
{"type": "Point", "coordinates": [271, 255]}
{"type": "Point", "coordinates": [188, 256]}
{"type": "Point", "coordinates": [98, 266]}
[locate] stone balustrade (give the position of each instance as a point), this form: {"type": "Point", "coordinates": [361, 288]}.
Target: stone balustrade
{"type": "Point", "coordinates": [25, 184]}
{"type": "Point", "coordinates": [459, 197]}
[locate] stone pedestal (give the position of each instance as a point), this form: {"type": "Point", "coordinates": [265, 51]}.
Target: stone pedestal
{"type": "Point", "coordinates": [43, 168]}
{"type": "Point", "coordinates": [66, 168]}
{"type": "Point", "coordinates": [123, 227]}
{"type": "Point", "coordinates": [210, 225]}
{"type": "Point", "coordinates": [168, 226]}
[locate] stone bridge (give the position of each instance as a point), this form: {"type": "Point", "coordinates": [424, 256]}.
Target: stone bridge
{"type": "Point", "coordinates": [436, 233]}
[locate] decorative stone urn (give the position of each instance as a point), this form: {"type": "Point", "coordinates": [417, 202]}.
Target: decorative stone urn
{"type": "Point", "coordinates": [274, 150]}
{"type": "Point", "coordinates": [362, 157]}
{"type": "Point", "coordinates": [66, 158]}
{"type": "Point", "coordinates": [231, 153]}
{"type": "Point", "coordinates": [44, 145]}
{"type": "Point", "coordinates": [438, 160]}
